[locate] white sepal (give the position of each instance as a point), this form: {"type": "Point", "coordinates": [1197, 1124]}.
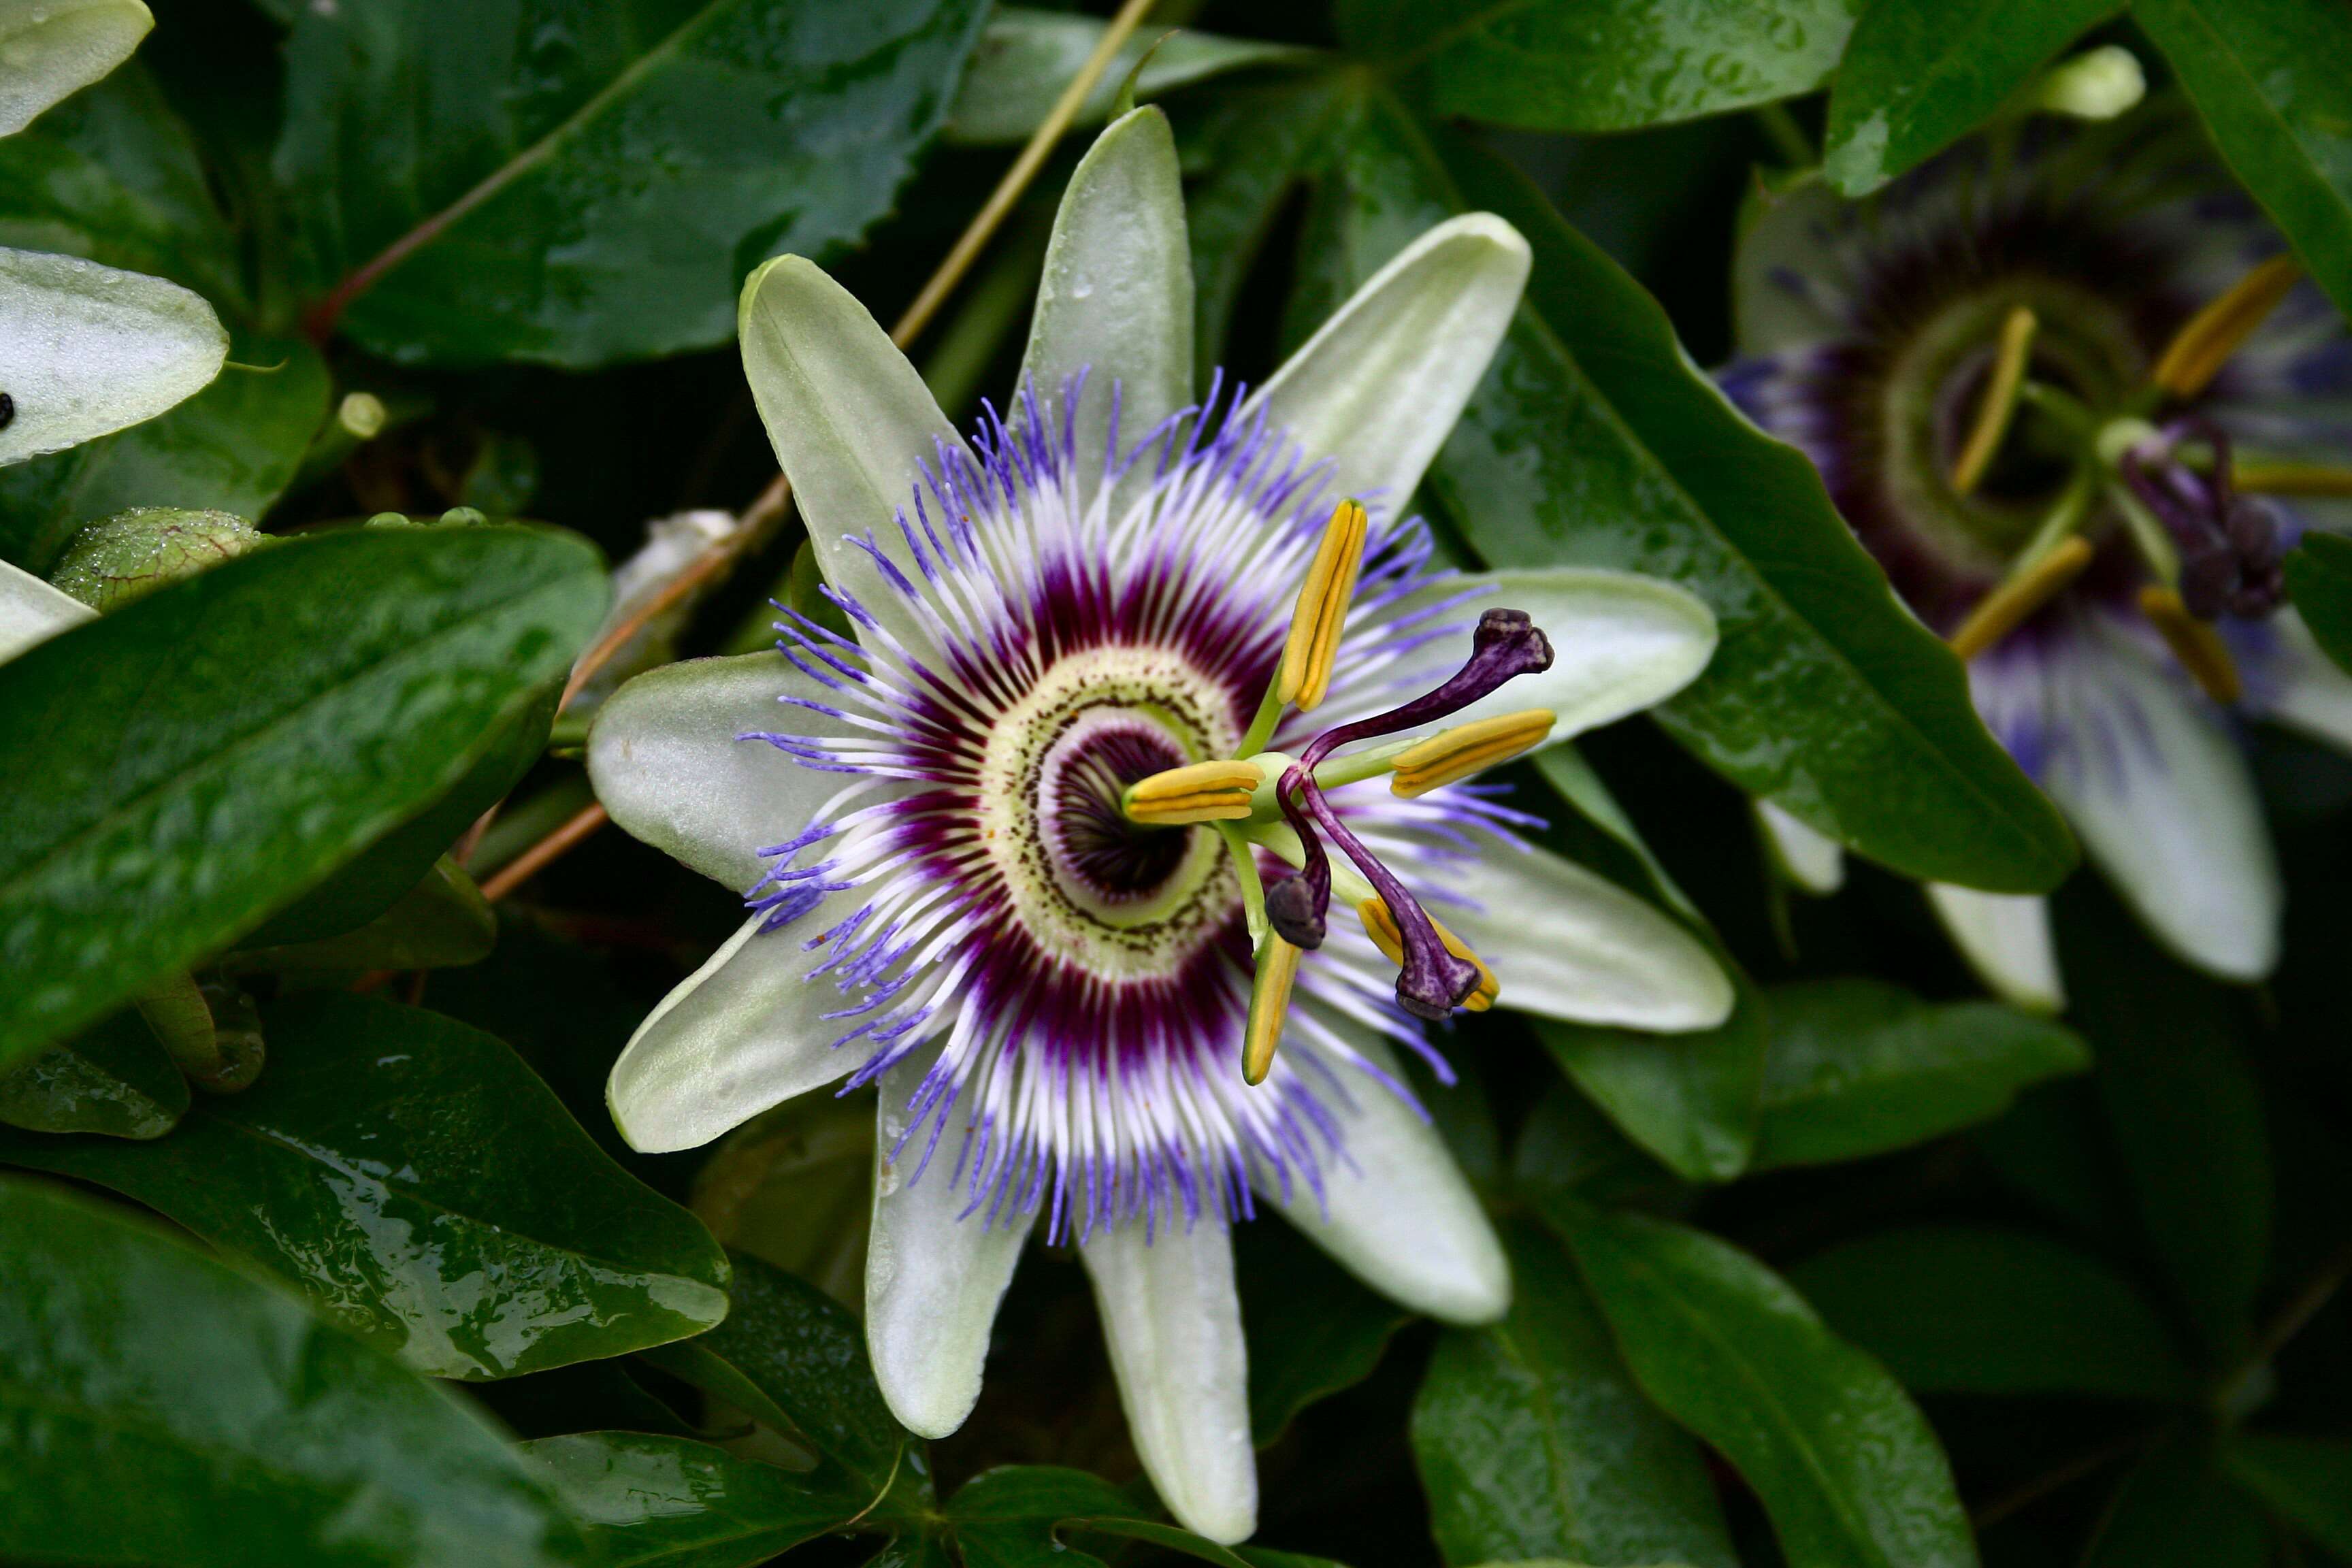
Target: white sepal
{"type": "Point", "coordinates": [2006, 939]}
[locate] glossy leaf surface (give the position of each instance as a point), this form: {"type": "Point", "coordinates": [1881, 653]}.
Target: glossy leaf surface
{"type": "Point", "coordinates": [113, 1079]}
{"type": "Point", "coordinates": [2319, 574]}
{"type": "Point", "coordinates": [1603, 65]}
{"type": "Point", "coordinates": [597, 178]}
{"type": "Point", "coordinates": [651, 1501]}
{"type": "Point", "coordinates": [161, 1408]}
{"type": "Point", "coordinates": [1856, 1068]}
{"type": "Point", "coordinates": [1690, 1099]}
{"type": "Point", "coordinates": [1313, 1328]}
{"type": "Point", "coordinates": [1954, 1310]}
{"type": "Point", "coordinates": [181, 768]}
{"type": "Point", "coordinates": [1919, 74]}
{"type": "Point", "coordinates": [1845, 1465]}
{"type": "Point", "coordinates": [416, 1181]}
{"type": "Point", "coordinates": [2264, 74]}
{"type": "Point", "coordinates": [1534, 1442]}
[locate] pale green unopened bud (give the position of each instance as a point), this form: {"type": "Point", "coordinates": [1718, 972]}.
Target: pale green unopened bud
{"type": "Point", "coordinates": [2097, 84]}
{"type": "Point", "coordinates": [134, 553]}
{"type": "Point", "coordinates": [362, 414]}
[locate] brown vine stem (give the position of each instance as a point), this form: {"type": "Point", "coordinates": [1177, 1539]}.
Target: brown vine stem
{"type": "Point", "coordinates": [768, 508]}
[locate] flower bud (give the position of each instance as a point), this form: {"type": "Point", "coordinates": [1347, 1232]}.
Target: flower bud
{"type": "Point", "coordinates": [134, 553]}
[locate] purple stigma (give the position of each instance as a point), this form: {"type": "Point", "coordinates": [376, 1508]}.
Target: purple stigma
{"type": "Point", "coordinates": [2229, 547]}
{"type": "Point", "coordinates": [1431, 982]}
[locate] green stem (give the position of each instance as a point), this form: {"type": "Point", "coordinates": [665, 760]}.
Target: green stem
{"type": "Point", "coordinates": [176, 1011]}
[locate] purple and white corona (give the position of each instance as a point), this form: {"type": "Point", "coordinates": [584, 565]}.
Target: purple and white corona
{"type": "Point", "coordinates": [2069, 388]}
{"type": "Point", "coordinates": [1123, 841]}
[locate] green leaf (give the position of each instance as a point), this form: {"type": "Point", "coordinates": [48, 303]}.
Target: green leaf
{"type": "Point", "coordinates": [2183, 1111]}
{"type": "Point", "coordinates": [2175, 1510]}
{"type": "Point", "coordinates": [1845, 1465]}
{"type": "Point", "coordinates": [157, 1408]}
{"type": "Point", "coordinates": [1602, 64]}
{"type": "Point", "coordinates": [1534, 1442]}
{"type": "Point", "coordinates": [1014, 1517]}
{"type": "Point", "coordinates": [442, 922]}
{"type": "Point", "coordinates": [231, 448]}
{"type": "Point", "coordinates": [1574, 780]}
{"type": "Point", "coordinates": [2304, 1479]}
{"type": "Point", "coordinates": [2319, 576]}
{"type": "Point", "coordinates": [1026, 57]}
{"type": "Point", "coordinates": [1857, 1067]}
{"type": "Point", "coordinates": [179, 769]}
{"type": "Point", "coordinates": [1595, 442]}
{"type": "Point", "coordinates": [1690, 1099]}
{"type": "Point", "coordinates": [1568, 1148]}
{"type": "Point", "coordinates": [2265, 74]}
{"type": "Point", "coordinates": [53, 48]}
{"type": "Point", "coordinates": [1954, 1310]}
{"type": "Point", "coordinates": [791, 1356]}
{"type": "Point", "coordinates": [416, 1181]}
{"type": "Point", "coordinates": [648, 1501]}
{"type": "Point", "coordinates": [391, 868]}
{"type": "Point", "coordinates": [1313, 1330]}
{"type": "Point", "coordinates": [114, 1080]}
{"type": "Point", "coordinates": [602, 197]}
{"type": "Point", "coordinates": [1919, 74]}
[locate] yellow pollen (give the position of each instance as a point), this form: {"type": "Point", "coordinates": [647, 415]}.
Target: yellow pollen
{"type": "Point", "coordinates": [1381, 927]}
{"type": "Point", "coordinates": [1277, 967]}
{"type": "Point", "coordinates": [2194, 643]}
{"type": "Point", "coordinates": [1451, 755]}
{"type": "Point", "coordinates": [2292, 479]}
{"type": "Point", "coordinates": [2200, 350]}
{"type": "Point", "coordinates": [1201, 791]}
{"type": "Point", "coordinates": [2000, 400]}
{"type": "Point", "coordinates": [2004, 609]}
{"type": "Point", "coordinates": [1304, 677]}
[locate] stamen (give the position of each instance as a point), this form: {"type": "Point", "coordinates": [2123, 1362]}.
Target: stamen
{"type": "Point", "coordinates": [2194, 642]}
{"type": "Point", "coordinates": [2200, 350]}
{"type": "Point", "coordinates": [1999, 404]}
{"type": "Point", "coordinates": [1455, 754]}
{"type": "Point", "coordinates": [1277, 967]}
{"type": "Point", "coordinates": [1381, 927]}
{"type": "Point", "coordinates": [2006, 609]}
{"type": "Point", "coordinates": [1305, 676]}
{"type": "Point", "coordinates": [2294, 478]}
{"type": "Point", "coordinates": [1200, 792]}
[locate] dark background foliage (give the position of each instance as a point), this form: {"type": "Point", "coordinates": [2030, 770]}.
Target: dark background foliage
{"type": "Point", "coordinates": [1879, 1275]}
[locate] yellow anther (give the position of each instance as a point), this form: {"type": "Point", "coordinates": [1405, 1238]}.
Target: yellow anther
{"type": "Point", "coordinates": [1451, 755]}
{"type": "Point", "coordinates": [1305, 676]}
{"type": "Point", "coordinates": [2000, 400]}
{"type": "Point", "coordinates": [1202, 792]}
{"type": "Point", "coordinates": [2200, 350]}
{"type": "Point", "coordinates": [2194, 643]}
{"type": "Point", "coordinates": [1381, 927]}
{"type": "Point", "coordinates": [2004, 609]}
{"type": "Point", "coordinates": [2292, 479]}
{"type": "Point", "coordinates": [1277, 967]}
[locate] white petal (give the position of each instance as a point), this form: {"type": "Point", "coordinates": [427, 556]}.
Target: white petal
{"type": "Point", "coordinates": [2160, 795]}
{"type": "Point", "coordinates": [1175, 1328]}
{"type": "Point", "coordinates": [1567, 943]}
{"type": "Point", "coordinates": [1404, 1219]}
{"type": "Point", "coordinates": [88, 350]}
{"type": "Point", "coordinates": [32, 612]}
{"type": "Point", "coordinates": [2308, 691]}
{"type": "Point", "coordinates": [50, 48]}
{"type": "Point", "coordinates": [1379, 387]}
{"type": "Point", "coordinates": [933, 1280]}
{"type": "Point", "coordinates": [2005, 937]}
{"type": "Point", "coordinates": [851, 421]}
{"type": "Point", "coordinates": [742, 1033]}
{"type": "Point", "coordinates": [1115, 297]}
{"type": "Point", "coordinates": [1621, 643]}
{"type": "Point", "coordinates": [665, 761]}
{"type": "Point", "coordinates": [1813, 861]}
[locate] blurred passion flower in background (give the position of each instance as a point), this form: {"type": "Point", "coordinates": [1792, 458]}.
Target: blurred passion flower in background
{"type": "Point", "coordinates": [1050, 850]}
{"type": "Point", "coordinates": [2067, 387]}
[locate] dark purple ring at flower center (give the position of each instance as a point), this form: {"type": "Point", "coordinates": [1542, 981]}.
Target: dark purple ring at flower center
{"type": "Point", "coordinates": [1117, 859]}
